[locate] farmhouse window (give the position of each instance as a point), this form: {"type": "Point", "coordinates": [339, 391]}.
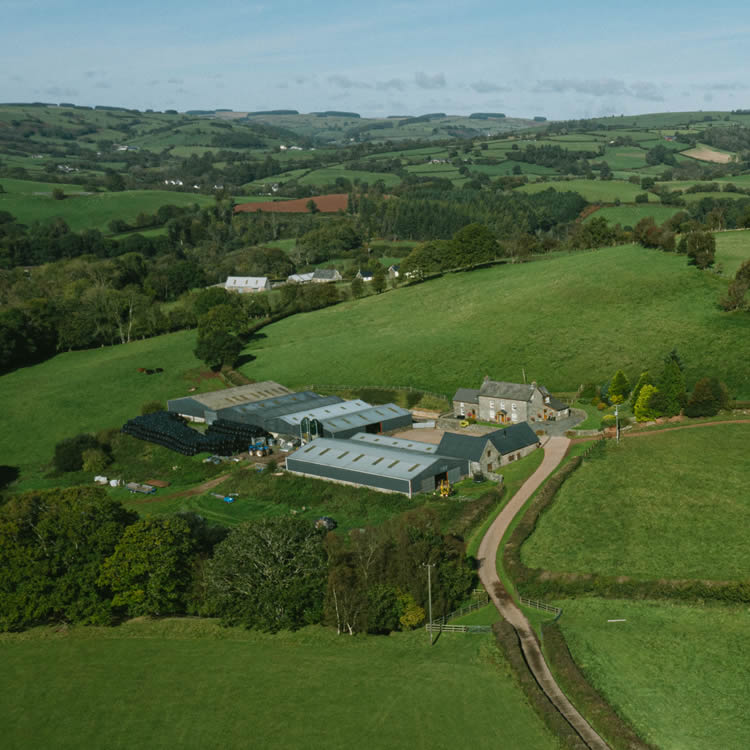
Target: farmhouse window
{"type": "Point", "coordinates": [489, 467]}
{"type": "Point", "coordinates": [488, 454]}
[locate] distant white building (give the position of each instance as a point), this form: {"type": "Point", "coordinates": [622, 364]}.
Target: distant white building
{"type": "Point", "coordinates": [300, 278]}
{"type": "Point", "coordinates": [247, 284]}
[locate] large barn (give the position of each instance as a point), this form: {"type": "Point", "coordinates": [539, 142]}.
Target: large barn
{"type": "Point", "coordinates": [202, 407]}
{"type": "Point", "coordinates": [389, 467]}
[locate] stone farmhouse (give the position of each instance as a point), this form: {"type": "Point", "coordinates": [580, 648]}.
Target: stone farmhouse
{"type": "Point", "coordinates": [509, 403]}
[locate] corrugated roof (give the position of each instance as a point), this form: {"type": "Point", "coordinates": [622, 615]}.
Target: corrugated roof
{"type": "Point", "coordinates": [262, 411]}
{"type": "Point", "coordinates": [556, 404]}
{"type": "Point", "coordinates": [366, 458]}
{"type": "Point", "coordinates": [242, 394]}
{"type": "Point", "coordinates": [246, 282]}
{"type": "Point", "coordinates": [329, 411]}
{"type": "Point", "coordinates": [370, 415]}
{"type": "Point", "coordinates": [392, 442]}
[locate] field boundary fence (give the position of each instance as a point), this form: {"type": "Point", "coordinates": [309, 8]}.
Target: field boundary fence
{"type": "Point", "coordinates": [430, 627]}
{"type": "Point", "coordinates": [407, 388]}
{"type": "Point", "coordinates": [442, 624]}
{"type": "Point", "coordinates": [543, 606]}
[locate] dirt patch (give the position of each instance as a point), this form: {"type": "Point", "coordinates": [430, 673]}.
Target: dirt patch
{"type": "Point", "coordinates": [706, 154]}
{"type": "Point", "coordinates": [328, 204]}
{"type": "Point", "coordinates": [421, 436]}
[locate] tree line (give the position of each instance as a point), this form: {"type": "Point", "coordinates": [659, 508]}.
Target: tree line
{"type": "Point", "coordinates": [75, 555]}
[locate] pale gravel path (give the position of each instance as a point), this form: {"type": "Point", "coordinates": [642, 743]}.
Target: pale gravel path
{"type": "Point", "coordinates": [554, 451]}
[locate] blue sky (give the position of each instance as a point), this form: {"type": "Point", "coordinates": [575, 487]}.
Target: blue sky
{"type": "Point", "coordinates": [380, 58]}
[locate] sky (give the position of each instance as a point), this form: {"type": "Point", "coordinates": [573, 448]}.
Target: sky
{"type": "Point", "coordinates": [380, 58]}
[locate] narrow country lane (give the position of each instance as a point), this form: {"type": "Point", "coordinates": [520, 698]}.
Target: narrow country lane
{"type": "Point", "coordinates": [554, 452]}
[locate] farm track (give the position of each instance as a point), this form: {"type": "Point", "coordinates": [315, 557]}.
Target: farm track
{"type": "Point", "coordinates": [554, 452]}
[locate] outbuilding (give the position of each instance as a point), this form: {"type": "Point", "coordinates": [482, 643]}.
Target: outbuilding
{"type": "Point", "coordinates": [486, 454]}
{"type": "Point", "coordinates": [365, 463]}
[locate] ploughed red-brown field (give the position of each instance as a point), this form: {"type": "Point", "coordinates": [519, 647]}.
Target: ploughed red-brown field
{"type": "Point", "coordinates": [325, 203]}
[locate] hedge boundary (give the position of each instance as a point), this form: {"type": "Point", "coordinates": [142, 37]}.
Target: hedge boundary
{"type": "Point", "coordinates": [618, 733]}
{"type": "Point", "coordinates": [543, 584]}
{"type": "Point", "coordinates": [510, 645]}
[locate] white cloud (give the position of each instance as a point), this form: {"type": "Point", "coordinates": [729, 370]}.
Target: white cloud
{"type": "Point", "coordinates": [425, 81]}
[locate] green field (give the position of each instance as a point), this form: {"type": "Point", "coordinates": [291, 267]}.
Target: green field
{"type": "Point", "coordinates": [328, 175]}
{"type": "Point", "coordinates": [89, 390]}
{"type": "Point", "coordinates": [670, 505]}
{"type": "Point", "coordinates": [732, 249]}
{"type": "Point", "coordinates": [190, 684]}
{"type": "Point", "coordinates": [630, 214]}
{"type": "Point", "coordinates": [679, 674]}
{"type": "Point", "coordinates": [450, 332]}
{"type": "Point", "coordinates": [594, 191]}
{"type": "Point", "coordinates": [33, 201]}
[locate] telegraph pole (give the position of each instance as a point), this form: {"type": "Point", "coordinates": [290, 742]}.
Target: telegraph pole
{"type": "Point", "coordinates": [429, 566]}
{"type": "Point", "coordinates": [617, 422]}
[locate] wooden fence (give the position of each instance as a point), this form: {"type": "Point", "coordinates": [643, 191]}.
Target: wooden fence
{"type": "Point", "coordinates": [540, 605]}
{"type": "Point", "coordinates": [458, 628]}
{"type": "Point", "coordinates": [482, 602]}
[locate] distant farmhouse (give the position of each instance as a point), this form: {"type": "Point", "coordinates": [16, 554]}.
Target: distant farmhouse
{"type": "Point", "coordinates": [509, 403]}
{"type": "Point", "coordinates": [247, 284]}
{"type": "Point", "coordinates": [364, 275]}
{"type": "Point", "coordinates": [319, 276]}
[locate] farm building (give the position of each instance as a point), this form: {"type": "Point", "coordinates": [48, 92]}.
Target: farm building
{"type": "Point", "coordinates": [487, 453]}
{"type": "Point", "coordinates": [509, 403]}
{"type": "Point", "coordinates": [351, 417]}
{"type": "Point", "coordinates": [270, 414]}
{"type": "Point", "coordinates": [247, 284]}
{"type": "Point", "coordinates": [363, 462]}
{"type": "Point", "coordinates": [195, 407]}
{"type": "Point", "coordinates": [393, 271]}
{"type": "Point", "coordinates": [364, 275]}
{"type": "Point", "coordinates": [326, 276]}
{"type": "Point", "coordinates": [300, 278]}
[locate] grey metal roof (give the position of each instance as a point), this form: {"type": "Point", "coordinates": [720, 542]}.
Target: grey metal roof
{"type": "Point", "coordinates": [260, 412]}
{"type": "Point", "coordinates": [467, 395]}
{"type": "Point", "coordinates": [507, 440]}
{"type": "Point", "coordinates": [370, 415]}
{"type": "Point", "coordinates": [512, 391]}
{"type": "Point", "coordinates": [328, 411]}
{"type": "Point", "coordinates": [242, 394]}
{"type": "Point", "coordinates": [367, 458]}
{"type": "Point", "coordinates": [392, 442]}
{"type": "Point", "coordinates": [556, 404]}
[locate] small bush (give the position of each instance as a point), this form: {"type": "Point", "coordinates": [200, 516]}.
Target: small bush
{"type": "Point", "coordinates": [608, 420]}
{"type": "Point", "coordinates": [69, 452]}
{"type": "Point", "coordinates": [95, 460]}
{"type": "Point", "coordinates": [152, 407]}
{"type": "Point", "coordinates": [601, 406]}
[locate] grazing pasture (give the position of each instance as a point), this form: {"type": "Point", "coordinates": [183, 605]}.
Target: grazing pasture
{"type": "Point", "coordinates": [33, 201]}
{"type": "Point", "coordinates": [208, 686]}
{"type": "Point", "coordinates": [628, 215]}
{"type": "Point", "coordinates": [85, 391]}
{"type": "Point", "coordinates": [449, 332]}
{"type": "Point", "coordinates": [732, 249]}
{"type": "Point", "coordinates": [679, 674]}
{"type": "Point", "coordinates": [670, 505]}
{"type": "Point", "coordinates": [594, 191]}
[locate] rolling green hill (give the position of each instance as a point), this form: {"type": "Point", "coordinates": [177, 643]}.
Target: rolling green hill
{"type": "Point", "coordinates": [32, 201]}
{"type": "Point", "coordinates": [567, 320]}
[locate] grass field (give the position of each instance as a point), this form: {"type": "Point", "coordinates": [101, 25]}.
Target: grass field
{"type": "Point", "coordinates": [328, 175]}
{"type": "Point", "coordinates": [680, 675]}
{"type": "Point", "coordinates": [450, 333]}
{"type": "Point", "coordinates": [89, 390]}
{"type": "Point", "coordinates": [629, 215]}
{"type": "Point", "coordinates": [191, 684]}
{"type": "Point", "coordinates": [732, 249]}
{"type": "Point", "coordinates": [669, 505]}
{"type": "Point", "coordinates": [594, 191]}
{"type": "Point", "coordinates": [93, 211]}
